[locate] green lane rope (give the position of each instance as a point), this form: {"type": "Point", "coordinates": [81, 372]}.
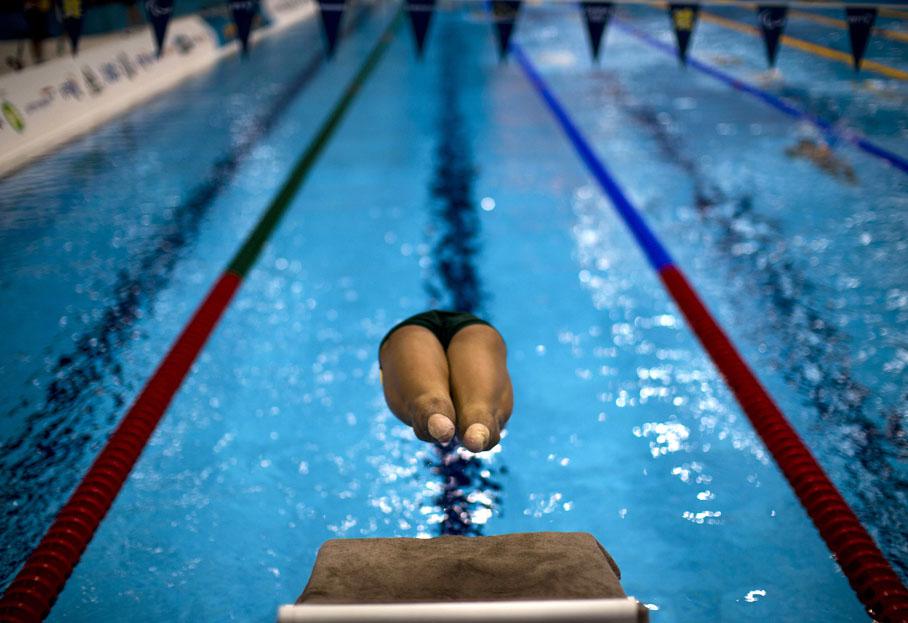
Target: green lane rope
{"type": "Point", "coordinates": [252, 246]}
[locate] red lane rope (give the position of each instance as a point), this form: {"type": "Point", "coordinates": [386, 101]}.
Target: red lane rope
{"type": "Point", "coordinates": [867, 570]}
{"type": "Point", "coordinates": [34, 590]}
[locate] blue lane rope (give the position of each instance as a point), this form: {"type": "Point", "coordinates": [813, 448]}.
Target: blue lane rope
{"type": "Point", "coordinates": [657, 255]}
{"type": "Point", "coordinates": [871, 576]}
{"type": "Point", "coordinates": [832, 133]}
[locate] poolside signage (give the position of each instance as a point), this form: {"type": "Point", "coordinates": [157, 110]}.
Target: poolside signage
{"type": "Point", "coordinates": [158, 13]}
{"type": "Point", "coordinates": [860, 24]}
{"type": "Point", "coordinates": [684, 19]}
{"type": "Point", "coordinates": [244, 12]}
{"type": "Point", "coordinates": [596, 16]}
{"type": "Point", "coordinates": [772, 21]}
{"type": "Point", "coordinates": [504, 13]}
{"type": "Point", "coordinates": [331, 11]}
{"type": "Point", "coordinates": [71, 10]}
{"type": "Point", "coordinates": [420, 12]}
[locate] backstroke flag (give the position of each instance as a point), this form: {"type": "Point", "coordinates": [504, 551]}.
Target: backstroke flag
{"type": "Point", "coordinates": [684, 18]}
{"type": "Point", "coordinates": [860, 24]}
{"type": "Point", "coordinates": [158, 13]}
{"type": "Point", "coordinates": [243, 13]}
{"type": "Point", "coordinates": [331, 11]}
{"type": "Point", "coordinates": [504, 12]}
{"type": "Point", "coordinates": [772, 24]}
{"type": "Point", "coordinates": [72, 22]}
{"type": "Point", "coordinates": [420, 12]}
{"type": "Point", "coordinates": [596, 16]}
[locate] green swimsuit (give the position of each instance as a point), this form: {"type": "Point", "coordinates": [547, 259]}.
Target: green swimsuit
{"type": "Point", "coordinates": [444, 324]}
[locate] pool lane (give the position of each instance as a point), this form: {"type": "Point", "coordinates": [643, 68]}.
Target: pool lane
{"type": "Point", "coordinates": [280, 438]}
{"type": "Point", "coordinates": [95, 356]}
{"type": "Point", "coordinates": [869, 573]}
{"type": "Point", "coordinates": [832, 131]}
{"type": "Point", "coordinates": [38, 583]}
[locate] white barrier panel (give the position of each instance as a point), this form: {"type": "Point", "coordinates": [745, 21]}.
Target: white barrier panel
{"type": "Point", "coordinates": [49, 104]}
{"type": "Point", "coordinates": [555, 611]}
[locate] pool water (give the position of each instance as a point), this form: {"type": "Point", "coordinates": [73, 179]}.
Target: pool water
{"type": "Point", "coordinates": [449, 185]}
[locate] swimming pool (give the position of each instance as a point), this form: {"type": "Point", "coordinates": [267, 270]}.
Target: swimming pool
{"type": "Point", "coordinates": [449, 184]}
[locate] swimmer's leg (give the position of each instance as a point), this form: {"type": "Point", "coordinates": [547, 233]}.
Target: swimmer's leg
{"type": "Point", "coordinates": [415, 381]}
{"type": "Point", "coordinates": [480, 385]}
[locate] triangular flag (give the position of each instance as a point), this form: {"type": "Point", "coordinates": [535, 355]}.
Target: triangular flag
{"type": "Point", "coordinates": [504, 12]}
{"type": "Point", "coordinates": [772, 24]}
{"type": "Point", "coordinates": [332, 11]}
{"type": "Point", "coordinates": [72, 22]}
{"type": "Point", "coordinates": [684, 18]}
{"type": "Point", "coordinates": [860, 25]}
{"type": "Point", "coordinates": [420, 12]}
{"type": "Point", "coordinates": [243, 13]}
{"type": "Point", "coordinates": [158, 13]}
{"type": "Point", "coordinates": [596, 16]}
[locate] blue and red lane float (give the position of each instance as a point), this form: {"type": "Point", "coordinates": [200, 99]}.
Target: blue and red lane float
{"type": "Point", "coordinates": [33, 591]}
{"type": "Point", "coordinates": [871, 576]}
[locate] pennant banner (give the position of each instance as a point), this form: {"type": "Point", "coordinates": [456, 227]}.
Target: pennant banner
{"type": "Point", "coordinates": [596, 16]}
{"type": "Point", "coordinates": [72, 22]}
{"type": "Point", "coordinates": [504, 12]}
{"type": "Point", "coordinates": [332, 11]}
{"type": "Point", "coordinates": [772, 24]}
{"type": "Point", "coordinates": [244, 11]}
{"type": "Point", "coordinates": [684, 19]}
{"type": "Point", "coordinates": [420, 12]}
{"type": "Point", "coordinates": [860, 25]}
{"type": "Point", "coordinates": [158, 13]}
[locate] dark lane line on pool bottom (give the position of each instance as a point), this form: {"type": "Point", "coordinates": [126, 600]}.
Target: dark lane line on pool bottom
{"type": "Point", "coordinates": [35, 588]}
{"type": "Point", "coordinates": [817, 357]}
{"type": "Point", "coordinates": [457, 285]}
{"type": "Point", "coordinates": [832, 133]}
{"type": "Point", "coordinates": [871, 576]}
{"type": "Point", "coordinates": [38, 465]}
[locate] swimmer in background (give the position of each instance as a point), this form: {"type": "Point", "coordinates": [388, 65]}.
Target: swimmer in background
{"type": "Point", "coordinates": [446, 372]}
{"type": "Point", "coordinates": [821, 155]}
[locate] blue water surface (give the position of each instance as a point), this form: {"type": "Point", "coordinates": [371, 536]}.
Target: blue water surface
{"type": "Point", "coordinates": [449, 184]}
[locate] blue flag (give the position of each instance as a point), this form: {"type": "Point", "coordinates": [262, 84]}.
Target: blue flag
{"type": "Point", "coordinates": [158, 13]}
{"type": "Point", "coordinates": [504, 12]}
{"type": "Point", "coordinates": [684, 19]}
{"type": "Point", "coordinates": [596, 16]}
{"type": "Point", "coordinates": [420, 12]}
{"type": "Point", "coordinates": [244, 12]}
{"type": "Point", "coordinates": [860, 24]}
{"type": "Point", "coordinates": [72, 22]}
{"type": "Point", "coordinates": [772, 24]}
{"type": "Point", "coordinates": [331, 11]}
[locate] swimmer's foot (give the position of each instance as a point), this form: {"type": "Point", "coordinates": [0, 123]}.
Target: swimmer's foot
{"type": "Point", "coordinates": [441, 428]}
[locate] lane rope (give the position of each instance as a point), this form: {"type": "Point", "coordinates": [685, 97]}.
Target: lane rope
{"type": "Point", "coordinates": [832, 133]}
{"type": "Point", "coordinates": [36, 587]}
{"type": "Point", "coordinates": [869, 573]}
